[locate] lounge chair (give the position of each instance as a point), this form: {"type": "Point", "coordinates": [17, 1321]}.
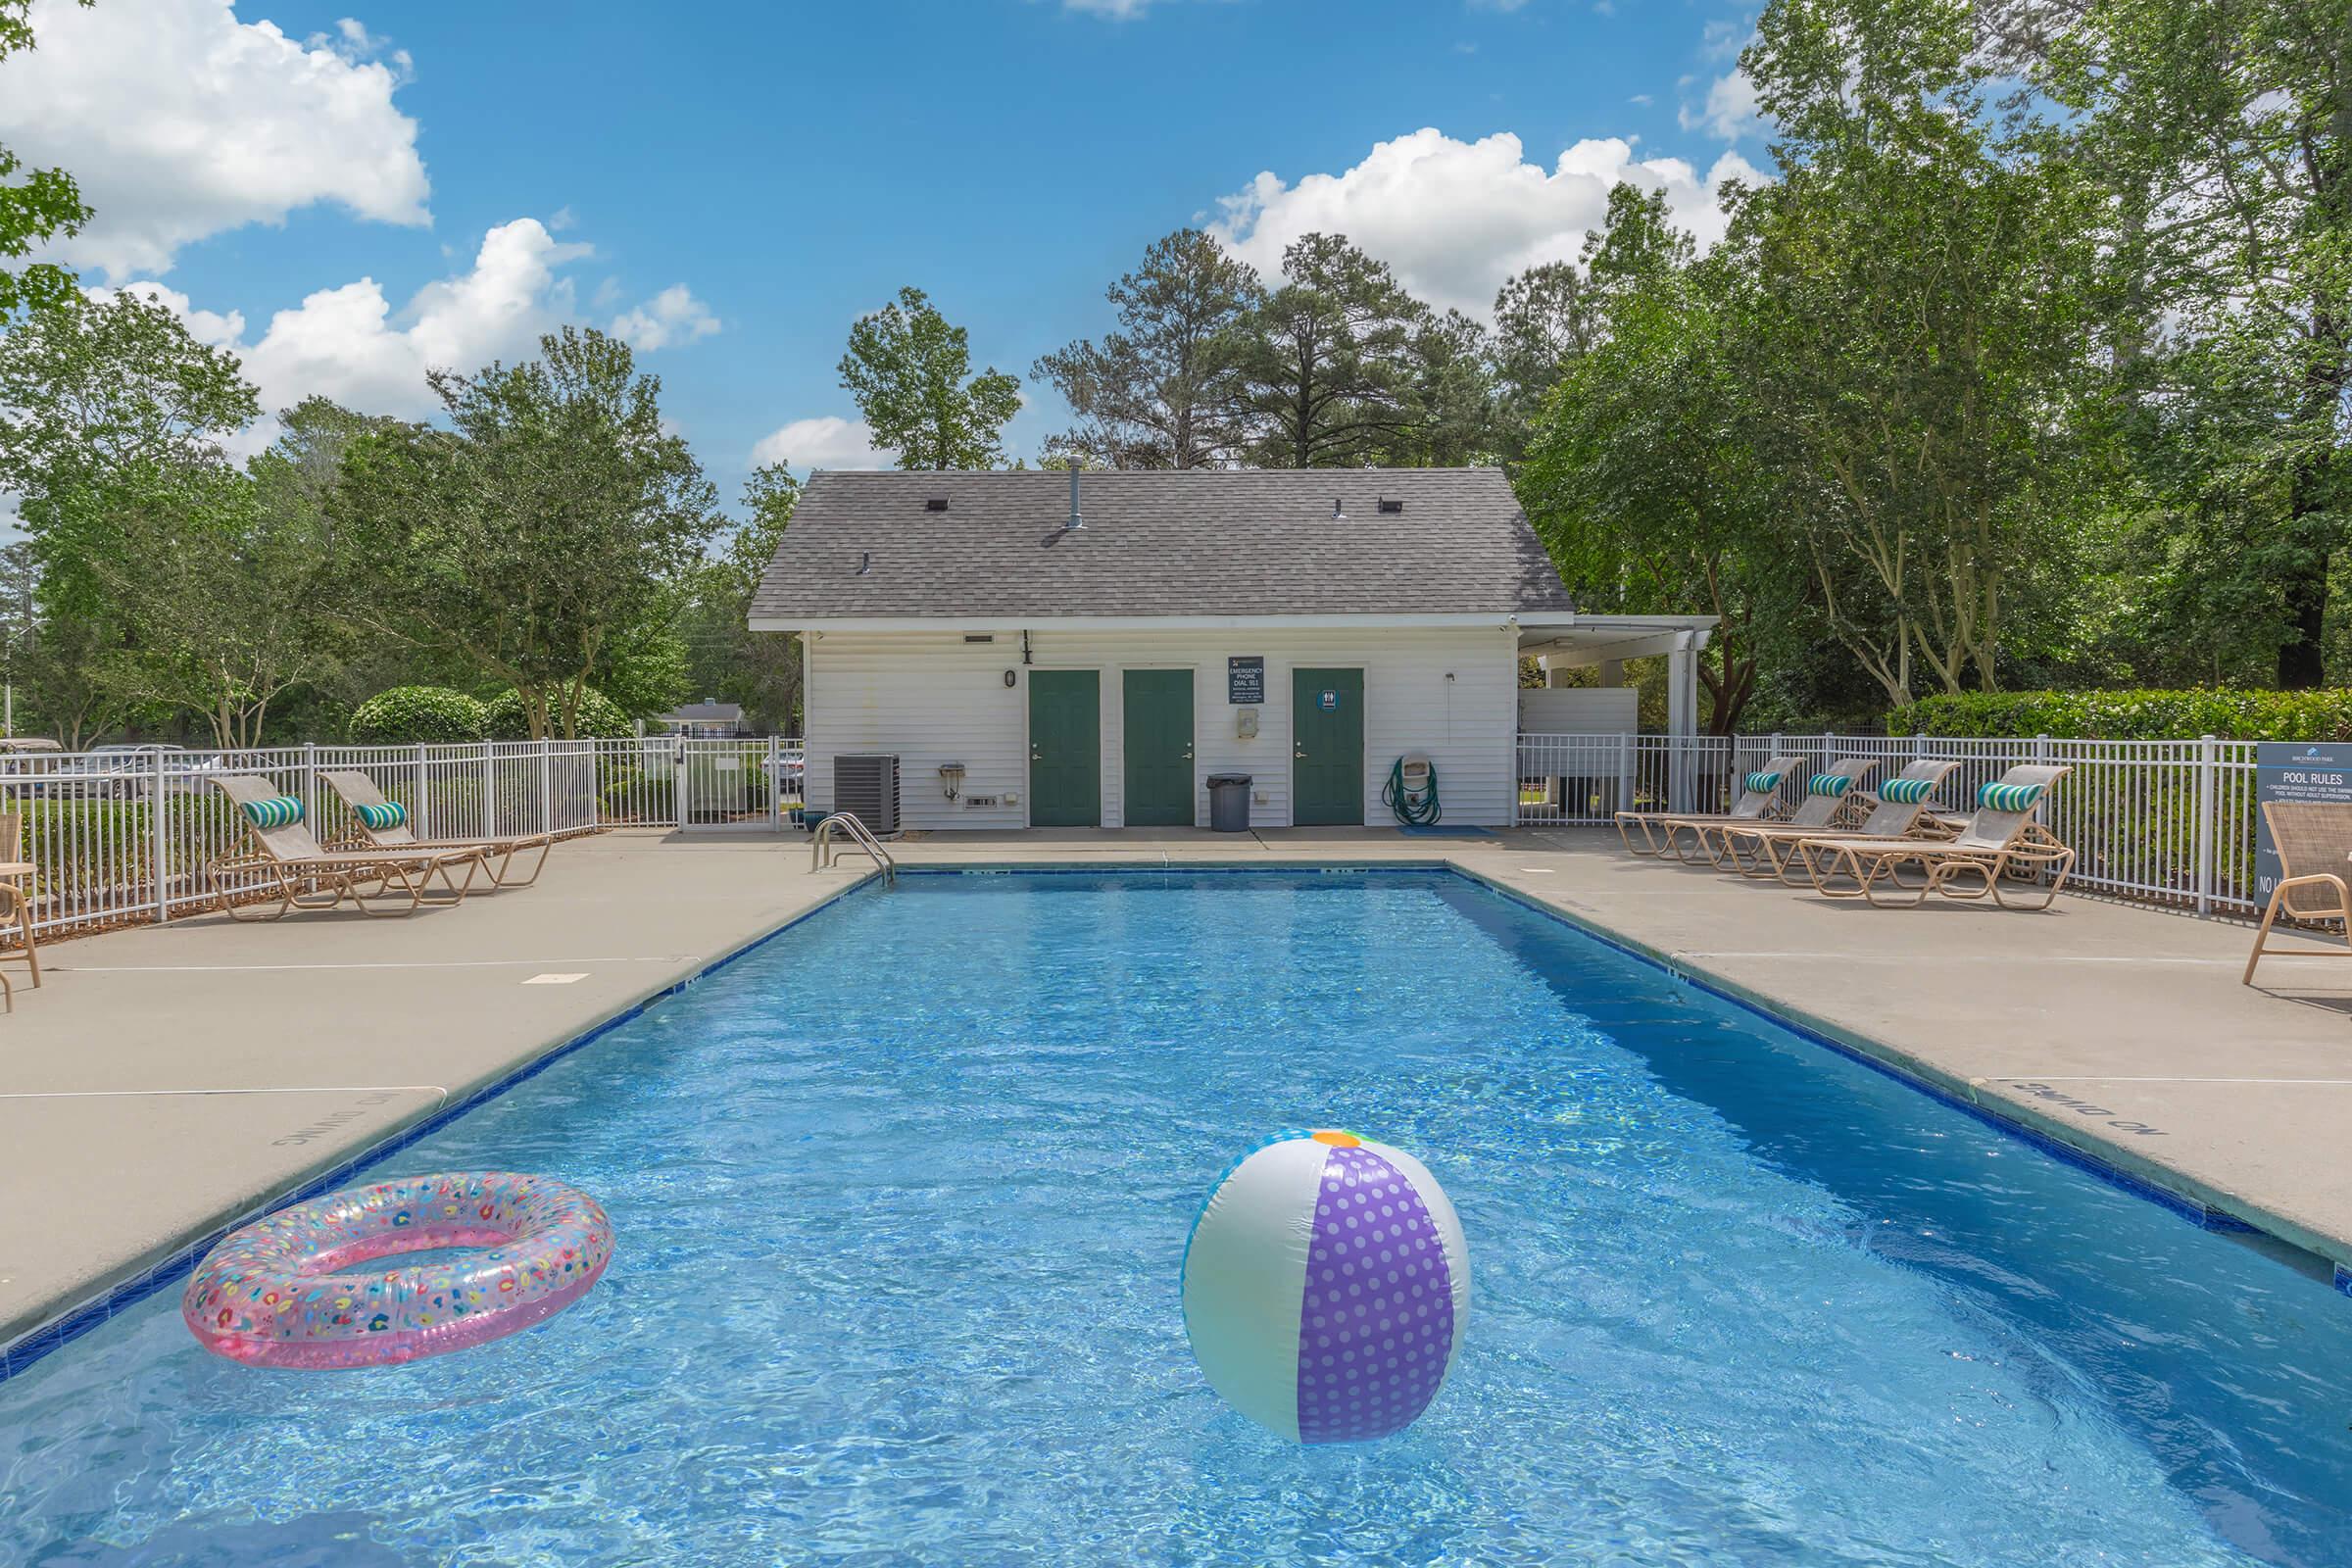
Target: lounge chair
{"type": "Point", "coordinates": [16, 904]}
{"type": "Point", "coordinates": [1898, 811]}
{"type": "Point", "coordinates": [1823, 808]}
{"type": "Point", "coordinates": [1760, 793]}
{"type": "Point", "coordinates": [2001, 839]}
{"type": "Point", "coordinates": [291, 864]}
{"type": "Point", "coordinates": [369, 807]}
{"type": "Point", "coordinates": [2314, 841]}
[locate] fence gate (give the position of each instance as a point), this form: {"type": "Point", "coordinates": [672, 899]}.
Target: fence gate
{"type": "Point", "coordinates": [729, 785]}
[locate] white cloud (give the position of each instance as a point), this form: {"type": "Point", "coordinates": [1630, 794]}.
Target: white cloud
{"type": "Point", "coordinates": [1730, 112]}
{"type": "Point", "coordinates": [1115, 10]}
{"type": "Point", "coordinates": [1455, 218]}
{"type": "Point", "coordinates": [179, 122]}
{"type": "Point", "coordinates": [825, 442]}
{"type": "Point", "coordinates": [350, 344]}
{"type": "Point", "coordinates": [673, 316]}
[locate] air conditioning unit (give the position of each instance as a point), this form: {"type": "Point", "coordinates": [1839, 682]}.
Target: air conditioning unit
{"type": "Point", "coordinates": [866, 786]}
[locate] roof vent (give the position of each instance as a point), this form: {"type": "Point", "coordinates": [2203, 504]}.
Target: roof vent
{"type": "Point", "coordinates": [1391, 507]}
{"type": "Point", "coordinates": [1337, 515]}
{"type": "Point", "coordinates": [865, 563]}
{"type": "Point", "coordinates": [1077, 523]}
{"type": "Point", "coordinates": [936, 504]}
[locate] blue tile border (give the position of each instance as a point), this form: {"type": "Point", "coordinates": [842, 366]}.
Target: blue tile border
{"type": "Point", "coordinates": [26, 1349]}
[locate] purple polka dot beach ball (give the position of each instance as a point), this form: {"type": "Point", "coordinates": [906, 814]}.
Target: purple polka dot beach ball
{"type": "Point", "coordinates": [1326, 1287]}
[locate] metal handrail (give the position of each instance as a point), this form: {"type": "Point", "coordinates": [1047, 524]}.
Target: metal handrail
{"type": "Point", "coordinates": [862, 837]}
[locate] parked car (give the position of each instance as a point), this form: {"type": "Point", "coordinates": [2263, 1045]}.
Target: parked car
{"type": "Point", "coordinates": [123, 770]}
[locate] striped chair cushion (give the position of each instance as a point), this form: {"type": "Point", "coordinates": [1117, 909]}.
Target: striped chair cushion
{"type": "Point", "coordinates": [279, 810]}
{"type": "Point", "coordinates": [1906, 790]}
{"type": "Point", "coordinates": [376, 818]}
{"type": "Point", "coordinates": [1830, 784]}
{"type": "Point", "coordinates": [1762, 783]}
{"type": "Point", "coordinates": [2008, 796]}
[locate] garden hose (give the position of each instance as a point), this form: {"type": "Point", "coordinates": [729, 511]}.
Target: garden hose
{"type": "Point", "coordinates": [1413, 808]}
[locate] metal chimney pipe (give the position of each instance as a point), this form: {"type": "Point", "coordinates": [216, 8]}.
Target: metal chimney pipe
{"type": "Point", "coordinates": [1077, 518]}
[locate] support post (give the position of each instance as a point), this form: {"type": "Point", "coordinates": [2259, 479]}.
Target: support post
{"type": "Point", "coordinates": [2207, 797]}
{"type": "Point", "coordinates": [1682, 720]}
{"type": "Point", "coordinates": [423, 811]}
{"type": "Point", "coordinates": [489, 789]}
{"type": "Point", "coordinates": [547, 786]}
{"type": "Point", "coordinates": [775, 785]}
{"type": "Point", "coordinates": [310, 784]}
{"type": "Point", "coordinates": [158, 844]}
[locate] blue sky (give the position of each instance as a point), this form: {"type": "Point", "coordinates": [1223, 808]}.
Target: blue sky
{"type": "Point", "coordinates": [731, 185]}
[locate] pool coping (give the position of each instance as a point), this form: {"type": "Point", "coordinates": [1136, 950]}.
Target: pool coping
{"type": "Point", "coordinates": [2150, 1181]}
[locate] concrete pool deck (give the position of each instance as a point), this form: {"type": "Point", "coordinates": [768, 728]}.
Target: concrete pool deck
{"type": "Point", "coordinates": [168, 1080]}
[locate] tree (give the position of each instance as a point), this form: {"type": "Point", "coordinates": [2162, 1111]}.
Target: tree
{"type": "Point", "coordinates": [551, 527]}
{"type": "Point", "coordinates": [760, 670]}
{"type": "Point", "coordinates": [1644, 478]}
{"type": "Point", "coordinates": [1920, 329]}
{"type": "Point", "coordinates": [1453, 418]}
{"type": "Point", "coordinates": [2223, 132]}
{"type": "Point", "coordinates": [1159, 392]}
{"type": "Point", "coordinates": [1543, 322]}
{"type": "Point", "coordinates": [97, 400]}
{"type": "Point", "coordinates": [36, 206]}
{"type": "Point", "coordinates": [1327, 363]}
{"type": "Point", "coordinates": [223, 597]}
{"type": "Point", "coordinates": [911, 373]}
{"type": "Point", "coordinates": [170, 578]}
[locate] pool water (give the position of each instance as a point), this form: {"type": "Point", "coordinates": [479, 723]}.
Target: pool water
{"type": "Point", "coordinates": [900, 1199]}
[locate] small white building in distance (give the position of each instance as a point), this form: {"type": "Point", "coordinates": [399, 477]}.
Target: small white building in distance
{"type": "Point", "coordinates": [1046, 650]}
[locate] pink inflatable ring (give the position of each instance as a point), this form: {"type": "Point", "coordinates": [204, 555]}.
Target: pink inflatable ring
{"type": "Point", "coordinates": [293, 1290]}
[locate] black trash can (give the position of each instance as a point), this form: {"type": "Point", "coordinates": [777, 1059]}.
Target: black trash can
{"type": "Point", "coordinates": [1228, 803]}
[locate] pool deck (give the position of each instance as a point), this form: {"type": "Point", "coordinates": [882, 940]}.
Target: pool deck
{"type": "Point", "coordinates": [170, 1080]}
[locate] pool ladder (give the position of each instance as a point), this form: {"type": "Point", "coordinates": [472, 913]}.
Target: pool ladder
{"type": "Point", "coordinates": [822, 851]}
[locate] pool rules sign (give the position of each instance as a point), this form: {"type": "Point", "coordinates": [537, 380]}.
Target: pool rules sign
{"type": "Point", "coordinates": [2295, 771]}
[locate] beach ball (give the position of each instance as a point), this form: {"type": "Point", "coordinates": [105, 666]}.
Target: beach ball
{"type": "Point", "coordinates": [1326, 1287]}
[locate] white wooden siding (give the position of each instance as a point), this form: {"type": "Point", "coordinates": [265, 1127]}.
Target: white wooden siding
{"type": "Point", "coordinates": [932, 697]}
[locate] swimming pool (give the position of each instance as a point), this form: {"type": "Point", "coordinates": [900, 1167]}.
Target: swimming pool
{"type": "Point", "coordinates": [901, 1198]}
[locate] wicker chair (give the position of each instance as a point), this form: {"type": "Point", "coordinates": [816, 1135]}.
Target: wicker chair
{"type": "Point", "coordinates": [2314, 840]}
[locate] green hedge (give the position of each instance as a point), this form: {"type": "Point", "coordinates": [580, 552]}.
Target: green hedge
{"type": "Point", "coordinates": [2136, 715]}
{"type": "Point", "coordinates": [599, 717]}
{"type": "Point", "coordinates": [410, 715]}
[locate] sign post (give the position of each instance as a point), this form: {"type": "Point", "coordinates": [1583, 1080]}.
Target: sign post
{"type": "Point", "coordinates": [2293, 770]}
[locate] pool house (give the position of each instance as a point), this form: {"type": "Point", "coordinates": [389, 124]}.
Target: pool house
{"type": "Point", "coordinates": [1034, 649]}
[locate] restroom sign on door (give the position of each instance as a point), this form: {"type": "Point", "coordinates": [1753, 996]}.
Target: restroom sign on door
{"type": "Point", "coordinates": [1329, 700]}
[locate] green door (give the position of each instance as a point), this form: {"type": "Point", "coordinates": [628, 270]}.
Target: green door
{"type": "Point", "coordinates": [1065, 748]}
{"type": "Point", "coordinates": [1158, 746]}
{"type": "Point", "coordinates": [1327, 748]}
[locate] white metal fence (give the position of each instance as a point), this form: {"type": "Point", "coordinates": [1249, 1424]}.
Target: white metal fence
{"type": "Point", "coordinates": [128, 833]}
{"type": "Point", "coordinates": [2167, 822]}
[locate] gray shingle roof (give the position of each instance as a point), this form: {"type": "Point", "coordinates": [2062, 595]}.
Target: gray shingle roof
{"type": "Point", "coordinates": [1200, 542]}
